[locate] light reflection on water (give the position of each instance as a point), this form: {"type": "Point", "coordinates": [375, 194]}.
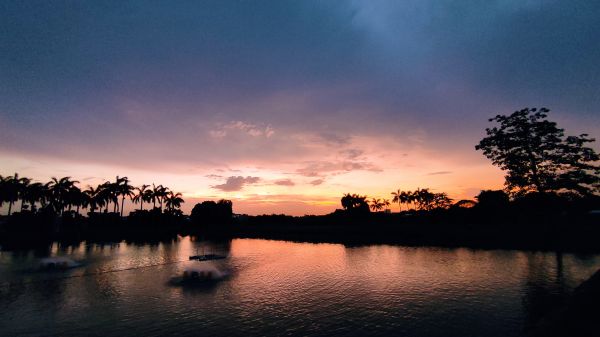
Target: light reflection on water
{"type": "Point", "coordinates": [284, 288]}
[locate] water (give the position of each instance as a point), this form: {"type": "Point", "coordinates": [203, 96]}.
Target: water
{"type": "Point", "coordinates": [283, 288]}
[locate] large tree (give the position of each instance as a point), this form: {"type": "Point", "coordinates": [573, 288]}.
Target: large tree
{"type": "Point", "coordinates": [537, 157]}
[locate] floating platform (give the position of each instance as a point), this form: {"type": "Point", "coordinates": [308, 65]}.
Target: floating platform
{"type": "Point", "coordinates": [207, 257]}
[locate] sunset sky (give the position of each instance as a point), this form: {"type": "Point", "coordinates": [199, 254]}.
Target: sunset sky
{"type": "Point", "coordinates": [283, 106]}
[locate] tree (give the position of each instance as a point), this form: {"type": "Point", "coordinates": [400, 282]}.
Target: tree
{"type": "Point", "coordinates": [93, 197]}
{"type": "Point", "coordinates": [398, 198]}
{"type": "Point", "coordinates": [3, 190]}
{"type": "Point", "coordinates": [386, 204]}
{"type": "Point", "coordinates": [377, 204]}
{"type": "Point", "coordinates": [424, 199]}
{"type": "Point", "coordinates": [34, 193]}
{"type": "Point", "coordinates": [12, 189]}
{"type": "Point", "coordinates": [58, 191]}
{"type": "Point", "coordinates": [173, 201]}
{"type": "Point", "coordinates": [125, 190]}
{"type": "Point", "coordinates": [537, 157]}
{"type": "Point", "coordinates": [212, 213]}
{"type": "Point", "coordinates": [141, 195]}
{"type": "Point", "coordinates": [441, 200]}
{"type": "Point", "coordinates": [355, 203]}
{"type": "Point", "coordinates": [492, 199]}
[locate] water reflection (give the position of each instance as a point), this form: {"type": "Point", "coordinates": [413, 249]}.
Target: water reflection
{"type": "Point", "coordinates": [277, 287]}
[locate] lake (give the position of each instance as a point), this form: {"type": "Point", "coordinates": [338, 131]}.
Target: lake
{"type": "Point", "coordinates": [283, 288]}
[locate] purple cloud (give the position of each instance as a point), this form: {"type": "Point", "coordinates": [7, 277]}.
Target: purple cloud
{"type": "Point", "coordinates": [317, 182]}
{"type": "Point", "coordinates": [236, 183]}
{"type": "Point", "coordinates": [285, 182]}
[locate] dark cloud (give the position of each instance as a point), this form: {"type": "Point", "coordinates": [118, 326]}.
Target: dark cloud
{"type": "Point", "coordinates": [320, 168]}
{"type": "Point", "coordinates": [335, 139]}
{"type": "Point", "coordinates": [285, 182]}
{"type": "Point", "coordinates": [236, 183]}
{"type": "Point", "coordinates": [246, 76]}
{"type": "Point", "coordinates": [437, 173]}
{"type": "Point", "coordinates": [317, 182]}
{"type": "Point", "coordinates": [352, 153]}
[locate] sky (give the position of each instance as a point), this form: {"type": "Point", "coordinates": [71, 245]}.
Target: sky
{"type": "Point", "coordinates": [283, 106]}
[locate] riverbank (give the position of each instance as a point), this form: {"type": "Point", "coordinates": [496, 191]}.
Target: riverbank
{"type": "Point", "coordinates": [444, 229]}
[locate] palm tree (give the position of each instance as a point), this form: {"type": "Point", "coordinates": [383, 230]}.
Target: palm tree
{"type": "Point", "coordinates": [159, 193]}
{"type": "Point", "coordinates": [59, 190]}
{"type": "Point", "coordinates": [13, 189]}
{"type": "Point", "coordinates": [3, 190]}
{"type": "Point", "coordinates": [424, 198]}
{"type": "Point", "coordinates": [91, 194]}
{"type": "Point", "coordinates": [141, 195]}
{"type": "Point", "coordinates": [154, 194]}
{"type": "Point", "coordinates": [115, 191]}
{"type": "Point", "coordinates": [34, 193]}
{"type": "Point", "coordinates": [397, 198]}
{"type": "Point", "coordinates": [386, 204]}
{"type": "Point", "coordinates": [376, 204]}
{"type": "Point", "coordinates": [173, 200]}
{"type": "Point", "coordinates": [405, 197]}
{"type": "Point", "coordinates": [75, 197]}
{"type": "Point", "coordinates": [22, 185]}
{"type": "Point", "coordinates": [163, 192]}
{"type": "Point", "coordinates": [125, 190]}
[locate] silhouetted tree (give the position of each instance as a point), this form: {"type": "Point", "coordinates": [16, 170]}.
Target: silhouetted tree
{"type": "Point", "coordinates": [173, 201]}
{"type": "Point", "coordinates": [354, 203]}
{"type": "Point", "coordinates": [212, 213]}
{"type": "Point", "coordinates": [492, 200]}
{"type": "Point", "coordinates": [125, 190]}
{"type": "Point", "coordinates": [35, 193]}
{"type": "Point", "coordinates": [465, 203]}
{"type": "Point", "coordinates": [93, 196]}
{"type": "Point", "coordinates": [3, 190]}
{"type": "Point", "coordinates": [377, 204]}
{"type": "Point", "coordinates": [58, 190]}
{"type": "Point", "coordinates": [423, 198]}
{"type": "Point", "coordinates": [398, 198]}
{"type": "Point", "coordinates": [12, 189]}
{"type": "Point", "coordinates": [536, 155]}
{"type": "Point", "coordinates": [441, 200]}
{"type": "Point", "coordinates": [386, 204]}
{"type": "Point", "coordinates": [141, 195]}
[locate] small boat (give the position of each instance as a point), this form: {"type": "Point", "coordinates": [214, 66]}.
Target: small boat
{"type": "Point", "coordinates": [207, 257]}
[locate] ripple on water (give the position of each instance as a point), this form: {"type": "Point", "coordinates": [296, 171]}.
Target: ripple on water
{"type": "Point", "coordinates": [284, 288]}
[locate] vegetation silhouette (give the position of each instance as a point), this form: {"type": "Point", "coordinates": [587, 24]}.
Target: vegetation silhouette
{"type": "Point", "coordinates": [537, 157]}
{"type": "Point", "coordinates": [355, 204]}
{"type": "Point", "coordinates": [52, 210]}
{"type": "Point", "coordinates": [212, 216]}
{"type": "Point", "coordinates": [551, 192]}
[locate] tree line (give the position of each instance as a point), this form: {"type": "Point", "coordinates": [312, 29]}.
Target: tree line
{"type": "Point", "coordinates": [419, 199]}
{"type": "Point", "coordinates": [535, 155]}
{"type": "Point", "coordinates": [63, 195]}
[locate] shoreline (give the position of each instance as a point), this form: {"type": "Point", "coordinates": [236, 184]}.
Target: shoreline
{"type": "Point", "coordinates": [575, 238]}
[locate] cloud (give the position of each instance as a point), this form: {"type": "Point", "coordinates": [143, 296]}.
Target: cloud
{"type": "Point", "coordinates": [253, 130]}
{"type": "Point", "coordinates": [236, 183]}
{"type": "Point", "coordinates": [317, 182]}
{"type": "Point", "coordinates": [320, 168]}
{"type": "Point", "coordinates": [351, 153]}
{"type": "Point", "coordinates": [438, 173]}
{"type": "Point", "coordinates": [285, 182]}
{"type": "Point", "coordinates": [334, 138]}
